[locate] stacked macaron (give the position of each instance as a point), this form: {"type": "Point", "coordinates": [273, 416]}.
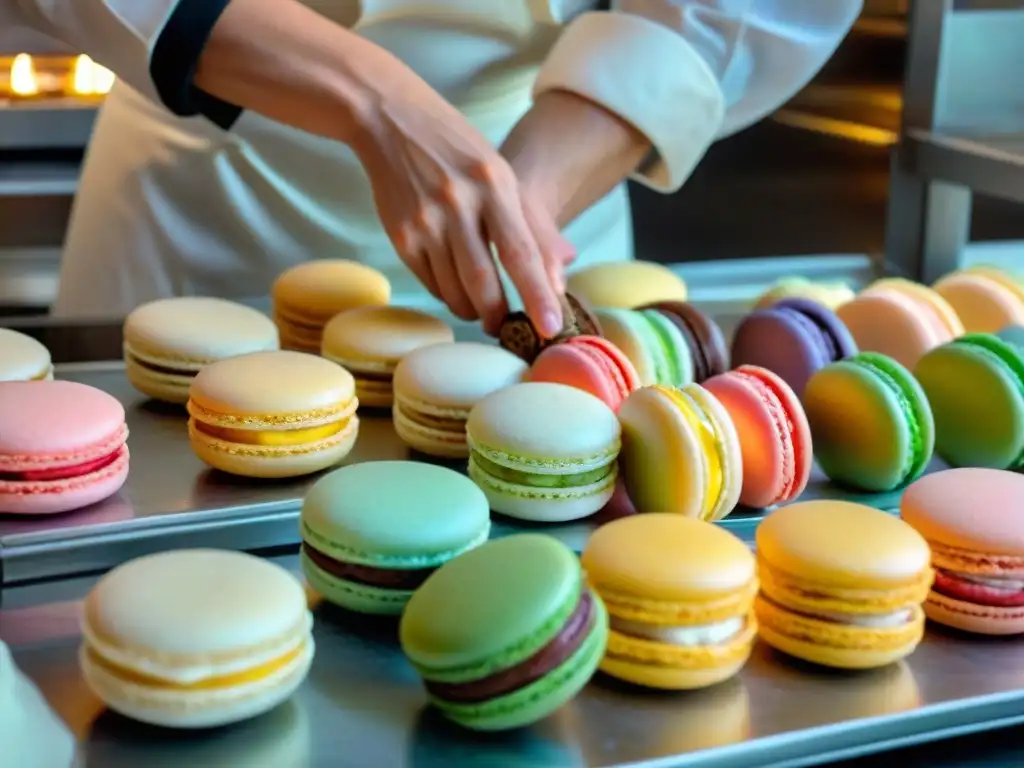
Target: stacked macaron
{"type": "Point", "coordinates": [841, 584]}
{"type": "Point", "coordinates": [167, 342]}
{"type": "Point", "coordinates": [62, 446]}
{"type": "Point", "coordinates": [22, 358]}
{"type": "Point", "coordinates": [590, 363]}
{"type": "Point", "coordinates": [626, 284]}
{"type": "Point", "coordinates": [436, 387]}
{"type": "Point", "coordinates": [986, 299]}
{"type": "Point", "coordinates": [544, 452]}
{"type": "Point", "coordinates": [272, 414]}
{"type": "Point", "coordinates": [370, 341]}
{"type": "Point", "coordinates": [308, 295]}
{"type": "Point", "coordinates": [372, 533]}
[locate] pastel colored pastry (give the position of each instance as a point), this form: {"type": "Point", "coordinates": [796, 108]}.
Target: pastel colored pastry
{"type": "Point", "coordinates": [1013, 334]}
{"type": "Point", "coordinates": [432, 403]}
{"type": "Point", "coordinates": [626, 284]}
{"type": "Point", "coordinates": [370, 341]}
{"type": "Point", "coordinates": [653, 343]}
{"type": "Point", "coordinates": [775, 439]}
{"type": "Point", "coordinates": [794, 338]}
{"type": "Point", "coordinates": [519, 336]}
{"type": "Point", "coordinates": [372, 533]}
{"type": "Point", "coordinates": [31, 732]}
{"type": "Point", "coordinates": [971, 520]}
{"type": "Point", "coordinates": [590, 363]}
{"type": "Point", "coordinates": [196, 638]}
{"type": "Point", "coordinates": [894, 322]}
{"type": "Point", "coordinates": [505, 634]}
{"type": "Point", "coordinates": [273, 414]}
{"type": "Point", "coordinates": [704, 339]}
{"type": "Point", "coordinates": [1008, 280]}
{"type": "Point", "coordinates": [984, 304]}
{"type": "Point", "coordinates": [941, 311]}
{"type": "Point", "coordinates": [680, 452]}
{"type": "Point", "coordinates": [841, 584]}
{"type": "Point", "coordinates": [976, 389]}
{"type": "Point", "coordinates": [870, 422]}
{"type": "Point", "coordinates": [308, 295]}
{"type": "Point", "coordinates": [62, 446]}
{"type": "Point", "coordinates": [829, 295]}
{"type": "Point", "coordinates": [167, 342]}
{"type": "Point", "coordinates": [679, 594]}
{"type": "Point", "coordinates": [543, 452]}
{"type": "Point", "coordinates": [22, 358]}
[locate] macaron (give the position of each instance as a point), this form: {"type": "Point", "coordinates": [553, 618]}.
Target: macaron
{"type": "Point", "coordinates": [794, 337]}
{"type": "Point", "coordinates": [308, 295]}
{"type": "Point", "coordinates": [655, 345]}
{"type": "Point", "coordinates": [975, 386]}
{"type": "Point", "coordinates": [775, 438]}
{"type": "Point", "coordinates": [828, 294]}
{"type": "Point", "coordinates": [519, 336]}
{"type": "Point", "coordinates": [167, 342]}
{"type": "Point", "coordinates": [590, 363]}
{"type": "Point", "coordinates": [195, 638]}
{"type": "Point", "coordinates": [436, 387]}
{"type": "Point", "coordinates": [22, 358]}
{"type": "Point", "coordinates": [704, 338]}
{"type": "Point", "coordinates": [373, 532]}
{"type": "Point", "coordinates": [871, 423]}
{"type": "Point", "coordinates": [895, 322]}
{"type": "Point", "coordinates": [62, 446]}
{"type": "Point", "coordinates": [370, 341]}
{"type": "Point", "coordinates": [505, 634]}
{"type": "Point", "coordinates": [543, 452]}
{"type": "Point", "coordinates": [680, 452]}
{"type": "Point", "coordinates": [941, 312]}
{"type": "Point", "coordinates": [679, 594]}
{"type": "Point", "coordinates": [626, 284]}
{"type": "Point", "coordinates": [1009, 280]}
{"type": "Point", "coordinates": [985, 304]}
{"type": "Point", "coordinates": [1013, 334]}
{"type": "Point", "coordinates": [971, 519]}
{"type": "Point", "coordinates": [272, 414]}
{"type": "Point", "coordinates": [841, 584]}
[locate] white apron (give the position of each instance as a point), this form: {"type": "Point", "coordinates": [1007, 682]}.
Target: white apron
{"type": "Point", "coordinates": [170, 206]}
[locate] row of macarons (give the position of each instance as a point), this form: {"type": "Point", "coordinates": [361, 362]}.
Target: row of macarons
{"type": "Point", "coordinates": [503, 632]}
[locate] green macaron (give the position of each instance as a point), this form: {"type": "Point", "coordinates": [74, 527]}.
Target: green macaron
{"type": "Point", "coordinates": [506, 634]}
{"type": "Point", "coordinates": [976, 388]}
{"type": "Point", "coordinates": [373, 532]}
{"type": "Point", "coordinates": [871, 425]}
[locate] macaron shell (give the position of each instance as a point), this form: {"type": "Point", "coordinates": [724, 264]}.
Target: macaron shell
{"type": "Point", "coordinates": [55, 496]}
{"type": "Point", "coordinates": [629, 332]}
{"type": "Point", "coordinates": [626, 284]}
{"type": "Point", "coordinates": [22, 358]}
{"type": "Point", "coordinates": [1013, 334]}
{"type": "Point", "coordinates": [892, 324]}
{"type": "Point", "coordinates": [946, 318]}
{"type": "Point", "coordinates": [424, 376]}
{"type": "Point", "coordinates": [782, 341]}
{"type": "Point", "coordinates": [1008, 281]}
{"type": "Point", "coordinates": [671, 350]}
{"type": "Point", "coordinates": [977, 619]}
{"type": "Point", "coordinates": [978, 406]}
{"type": "Point", "coordinates": [430, 440]}
{"type": "Point", "coordinates": [704, 337]}
{"type": "Point", "coordinates": [376, 338]}
{"type": "Point", "coordinates": [158, 385]}
{"type": "Point", "coordinates": [842, 544]}
{"type": "Point", "coordinates": [351, 595]}
{"type": "Point", "coordinates": [600, 369]}
{"type": "Point", "coordinates": [703, 670]}
{"type": "Point", "coordinates": [983, 305]}
{"type": "Point", "coordinates": [319, 289]}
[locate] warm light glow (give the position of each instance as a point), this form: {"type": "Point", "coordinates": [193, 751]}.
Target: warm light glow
{"type": "Point", "coordinates": [23, 76]}
{"type": "Point", "coordinates": [90, 78]}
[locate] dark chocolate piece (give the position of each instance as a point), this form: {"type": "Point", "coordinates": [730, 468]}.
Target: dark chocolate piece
{"type": "Point", "coordinates": [519, 337]}
{"type": "Point", "coordinates": [384, 578]}
{"type": "Point", "coordinates": [557, 651]}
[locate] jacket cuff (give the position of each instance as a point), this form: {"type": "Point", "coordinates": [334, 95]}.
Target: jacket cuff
{"type": "Point", "coordinates": [650, 77]}
{"type": "Point", "coordinates": [175, 58]}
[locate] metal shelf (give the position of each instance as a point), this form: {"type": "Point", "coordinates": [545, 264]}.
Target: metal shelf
{"type": "Point", "coordinates": [990, 165]}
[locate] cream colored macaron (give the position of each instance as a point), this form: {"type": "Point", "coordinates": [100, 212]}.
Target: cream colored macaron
{"type": "Point", "coordinates": [22, 358]}
{"type": "Point", "coordinates": [31, 733]}
{"type": "Point", "coordinates": [626, 284]}
{"type": "Point", "coordinates": [168, 341]}
{"type": "Point", "coordinates": [196, 638]}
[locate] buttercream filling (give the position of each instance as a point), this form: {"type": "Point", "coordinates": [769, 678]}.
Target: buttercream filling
{"type": "Point", "coordinates": [889, 620]}
{"type": "Point", "coordinates": [368, 575]}
{"type": "Point", "coordinates": [425, 420]}
{"type": "Point", "coordinates": [691, 636]}
{"type": "Point", "coordinates": [667, 367]}
{"type": "Point", "coordinates": [166, 370]}
{"type": "Point", "coordinates": [705, 430]}
{"type": "Point", "coordinates": [916, 447]}
{"type": "Point", "coordinates": [62, 473]}
{"type": "Point", "coordinates": [272, 437]}
{"type": "Point", "coordinates": [1002, 584]}
{"type": "Point", "coordinates": [537, 480]}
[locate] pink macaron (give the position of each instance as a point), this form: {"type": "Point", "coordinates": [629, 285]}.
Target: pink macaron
{"type": "Point", "coordinates": [973, 520]}
{"type": "Point", "coordinates": [590, 363]}
{"type": "Point", "coordinates": [62, 446]}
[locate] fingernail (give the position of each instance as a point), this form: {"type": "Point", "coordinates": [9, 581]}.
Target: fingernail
{"type": "Point", "coordinates": [551, 323]}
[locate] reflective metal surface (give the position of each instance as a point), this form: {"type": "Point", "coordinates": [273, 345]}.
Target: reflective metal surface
{"type": "Point", "coordinates": [363, 706]}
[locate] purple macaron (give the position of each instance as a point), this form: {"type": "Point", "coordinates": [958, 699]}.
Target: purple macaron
{"type": "Point", "coordinates": [794, 338]}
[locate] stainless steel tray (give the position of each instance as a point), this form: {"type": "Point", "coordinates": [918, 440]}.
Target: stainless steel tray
{"type": "Point", "coordinates": [363, 706]}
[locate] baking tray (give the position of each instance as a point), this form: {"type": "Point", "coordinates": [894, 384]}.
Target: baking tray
{"type": "Point", "coordinates": [363, 706]}
{"type": "Point", "coordinates": [172, 499]}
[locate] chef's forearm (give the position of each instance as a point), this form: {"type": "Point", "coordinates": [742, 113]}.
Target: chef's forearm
{"type": "Point", "coordinates": [569, 152]}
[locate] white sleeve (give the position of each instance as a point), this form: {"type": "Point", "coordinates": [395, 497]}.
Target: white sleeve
{"type": "Point", "coordinates": [153, 45]}
{"type": "Point", "coordinates": [686, 72]}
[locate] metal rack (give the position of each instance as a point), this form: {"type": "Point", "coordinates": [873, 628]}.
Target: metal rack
{"type": "Point", "coordinates": [962, 132]}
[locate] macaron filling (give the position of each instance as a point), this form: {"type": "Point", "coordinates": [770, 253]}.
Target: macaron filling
{"type": "Point", "coordinates": [539, 480]}
{"type": "Point", "coordinates": [887, 620]}
{"type": "Point", "coordinates": [74, 471]}
{"type": "Point", "coordinates": [558, 650]}
{"type": "Point", "coordinates": [784, 430]}
{"type": "Point", "coordinates": [990, 591]}
{"type": "Point", "coordinates": [428, 421]}
{"type": "Point", "coordinates": [282, 437]}
{"type": "Point", "coordinates": [160, 369]}
{"type": "Point", "coordinates": [668, 368]}
{"type": "Point", "coordinates": [713, 451]}
{"type": "Point", "coordinates": [692, 636]}
{"type": "Point", "coordinates": [404, 579]}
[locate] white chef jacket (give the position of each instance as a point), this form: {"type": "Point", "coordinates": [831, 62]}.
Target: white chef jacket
{"type": "Point", "coordinates": [185, 194]}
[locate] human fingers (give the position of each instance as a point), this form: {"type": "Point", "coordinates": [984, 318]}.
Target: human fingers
{"type": "Point", "coordinates": [412, 251]}
{"type": "Point", "coordinates": [431, 225]}
{"type": "Point", "coordinates": [556, 251]}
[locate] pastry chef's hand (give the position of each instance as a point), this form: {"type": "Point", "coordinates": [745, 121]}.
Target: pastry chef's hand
{"type": "Point", "coordinates": [444, 194]}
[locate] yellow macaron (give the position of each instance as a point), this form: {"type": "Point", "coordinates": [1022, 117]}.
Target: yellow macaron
{"type": "Point", "coordinates": [679, 593]}
{"type": "Point", "coordinates": [272, 414]}
{"type": "Point", "coordinates": [626, 284]}
{"type": "Point", "coordinates": [842, 584]}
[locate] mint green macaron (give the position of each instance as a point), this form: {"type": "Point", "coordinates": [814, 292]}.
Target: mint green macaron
{"type": "Point", "coordinates": [506, 634]}
{"type": "Point", "coordinates": [373, 532]}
